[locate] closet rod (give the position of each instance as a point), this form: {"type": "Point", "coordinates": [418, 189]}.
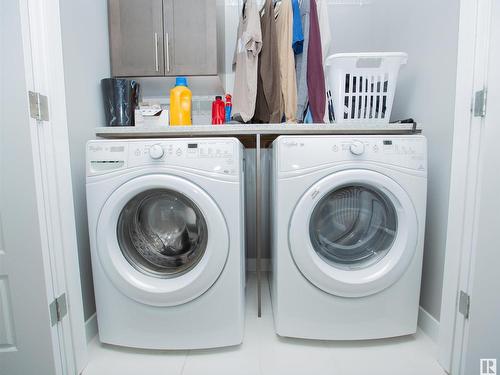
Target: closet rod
{"type": "Point", "coordinates": [260, 3]}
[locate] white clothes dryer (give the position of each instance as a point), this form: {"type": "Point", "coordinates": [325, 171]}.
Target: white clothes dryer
{"type": "Point", "coordinates": [348, 218]}
{"type": "Point", "coordinates": [167, 239]}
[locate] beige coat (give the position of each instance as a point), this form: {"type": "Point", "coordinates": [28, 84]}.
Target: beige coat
{"type": "Point", "coordinates": [284, 30]}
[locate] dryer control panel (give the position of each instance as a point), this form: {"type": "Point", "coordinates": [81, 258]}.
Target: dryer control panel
{"type": "Point", "coordinates": [217, 155]}
{"type": "Point", "coordinates": [296, 153]}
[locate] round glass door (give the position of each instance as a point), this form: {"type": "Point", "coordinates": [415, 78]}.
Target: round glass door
{"type": "Point", "coordinates": [162, 233]}
{"type": "Point", "coordinates": [162, 240]}
{"type": "Point", "coordinates": [353, 227]}
{"type": "Point", "coordinates": [353, 233]}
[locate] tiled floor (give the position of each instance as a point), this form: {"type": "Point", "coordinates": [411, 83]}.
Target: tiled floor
{"type": "Point", "coordinates": [267, 354]}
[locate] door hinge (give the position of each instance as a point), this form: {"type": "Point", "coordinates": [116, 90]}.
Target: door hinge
{"type": "Point", "coordinates": [58, 309]}
{"type": "Point", "coordinates": [464, 304]}
{"type": "Point", "coordinates": [39, 106]}
{"type": "Point", "coordinates": [480, 99]}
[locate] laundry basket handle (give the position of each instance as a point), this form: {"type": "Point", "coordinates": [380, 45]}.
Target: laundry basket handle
{"type": "Point", "coordinates": [369, 62]}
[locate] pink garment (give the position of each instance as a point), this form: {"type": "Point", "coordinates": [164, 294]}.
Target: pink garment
{"type": "Point", "coordinates": [315, 73]}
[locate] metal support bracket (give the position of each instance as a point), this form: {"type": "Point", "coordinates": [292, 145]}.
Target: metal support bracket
{"type": "Point", "coordinates": [258, 207]}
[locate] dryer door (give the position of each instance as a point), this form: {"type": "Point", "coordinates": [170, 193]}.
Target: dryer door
{"type": "Point", "coordinates": [354, 233]}
{"type": "Point", "coordinates": [162, 240]}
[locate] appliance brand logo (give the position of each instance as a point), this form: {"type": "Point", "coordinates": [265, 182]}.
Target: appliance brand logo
{"type": "Point", "coordinates": [95, 148]}
{"type": "Point", "coordinates": [293, 144]}
{"type": "Point", "coordinates": [488, 367]}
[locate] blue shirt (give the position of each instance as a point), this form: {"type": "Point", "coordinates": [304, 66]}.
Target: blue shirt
{"type": "Point", "coordinates": [298, 32]}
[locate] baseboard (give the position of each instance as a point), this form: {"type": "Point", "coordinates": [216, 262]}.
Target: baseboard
{"type": "Point", "coordinates": [252, 265]}
{"type": "Point", "coordinates": [91, 327]}
{"type": "Point", "coordinates": [428, 324]}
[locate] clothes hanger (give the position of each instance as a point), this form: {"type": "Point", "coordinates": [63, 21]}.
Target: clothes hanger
{"type": "Point", "coordinates": [277, 6]}
{"type": "Point", "coordinates": [262, 10]}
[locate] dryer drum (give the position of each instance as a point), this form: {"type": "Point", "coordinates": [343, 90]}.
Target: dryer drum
{"type": "Point", "coordinates": [162, 233]}
{"type": "Point", "coordinates": [353, 227]}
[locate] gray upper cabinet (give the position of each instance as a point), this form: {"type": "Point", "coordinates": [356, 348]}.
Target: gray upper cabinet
{"type": "Point", "coordinates": [136, 37]}
{"type": "Point", "coordinates": [190, 37]}
{"type": "Point", "coordinates": [163, 37]}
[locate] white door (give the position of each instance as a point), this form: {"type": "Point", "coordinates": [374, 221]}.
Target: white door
{"type": "Point", "coordinates": [482, 336]}
{"type": "Point", "coordinates": [349, 234]}
{"type": "Point", "coordinates": [26, 336]}
{"type": "Point", "coordinates": [162, 240]}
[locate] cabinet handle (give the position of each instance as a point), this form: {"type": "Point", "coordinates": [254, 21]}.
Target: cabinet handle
{"type": "Point", "coordinates": [157, 65]}
{"type": "Point", "coordinates": [168, 51]}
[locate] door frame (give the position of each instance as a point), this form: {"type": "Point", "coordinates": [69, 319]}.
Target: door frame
{"type": "Point", "coordinates": [43, 61]}
{"type": "Point", "coordinates": [472, 71]}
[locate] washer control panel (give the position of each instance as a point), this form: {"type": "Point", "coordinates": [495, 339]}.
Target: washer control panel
{"type": "Point", "coordinates": [297, 153]}
{"type": "Point", "coordinates": [212, 155]}
{"type": "Point", "coordinates": [193, 150]}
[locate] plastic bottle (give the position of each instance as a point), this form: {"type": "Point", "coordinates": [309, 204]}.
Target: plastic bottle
{"type": "Point", "coordinates": [218, 111]}
{"type": "Point", "coordinates": [180, 103]}
{"type": "Point", "coordinates": [229, 108]}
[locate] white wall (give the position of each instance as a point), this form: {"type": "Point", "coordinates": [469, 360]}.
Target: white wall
{"type": "Point", "coordinates": [86, 61]}
{"type": "Point", "coordinates": [428, 31]}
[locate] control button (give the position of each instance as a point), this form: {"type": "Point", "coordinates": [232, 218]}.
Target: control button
{"type": "Point", "coordinates": [357, 148]}
{"type": "Point", "coordinates": [156, 152]}
{"type": "Point", "coordinates": [178, 152]}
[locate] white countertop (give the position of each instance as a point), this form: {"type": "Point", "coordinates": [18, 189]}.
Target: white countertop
{"type": "Point", "coordinates": [251, 129]}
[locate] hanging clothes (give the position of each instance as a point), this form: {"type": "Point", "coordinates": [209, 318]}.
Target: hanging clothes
{"type": "Point", "coordinates": [298, 32]}
{"type": "Point", "coordinates": [301, 63]}
{"type": "Point", "coordinates": [246, 59]}
{"type": "Point", "coordinates": [308, 119]}
{"type": "Point", "coordinates": [315, 73]}
{"type": "Point", "coordinates": [288, 79]}
{"type": "Point", "coordinates": [326, 41]}
{"type": "Point", "coordinates": [268, 104]}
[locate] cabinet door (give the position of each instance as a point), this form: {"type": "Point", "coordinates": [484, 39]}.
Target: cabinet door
{"type": "Point", "coordinates": [190, 37]}
{"type": "Point", "coordinates": [136, 37]}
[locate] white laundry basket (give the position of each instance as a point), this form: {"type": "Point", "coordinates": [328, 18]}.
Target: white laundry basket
{"type": "Point", "coordinates": [363, 85]}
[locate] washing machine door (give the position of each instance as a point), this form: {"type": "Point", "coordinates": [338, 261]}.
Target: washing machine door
{"type": "Point", "coordinates": [353, 233]}
{"type": "Point", "coordinates": [162, 240]}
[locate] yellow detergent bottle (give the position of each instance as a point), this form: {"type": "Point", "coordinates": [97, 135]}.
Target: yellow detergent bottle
{"type": "Point", "coordinates": [180, 103]}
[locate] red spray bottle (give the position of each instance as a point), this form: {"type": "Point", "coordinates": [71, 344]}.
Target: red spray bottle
{"type": "Point", "coordinates": [218, 111]}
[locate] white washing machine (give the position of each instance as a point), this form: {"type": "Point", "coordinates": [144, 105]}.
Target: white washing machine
{"type": "Point", "coordinates": [348, 231]}
{"type": "Point", "coordinates": [167, 237]}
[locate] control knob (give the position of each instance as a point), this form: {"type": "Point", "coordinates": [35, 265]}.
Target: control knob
{"type": "Point", "coordinates": [357, 148]}
{"type": "Point", "coordinates": [156, 152]}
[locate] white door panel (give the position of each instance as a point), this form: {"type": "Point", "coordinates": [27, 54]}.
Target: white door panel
{"type": "Point", "coordinates": [26, 335]}
{"type": "Point", "coordinates": [482, 336]}
{"type": "Point", "coordinates": [7, 332]}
